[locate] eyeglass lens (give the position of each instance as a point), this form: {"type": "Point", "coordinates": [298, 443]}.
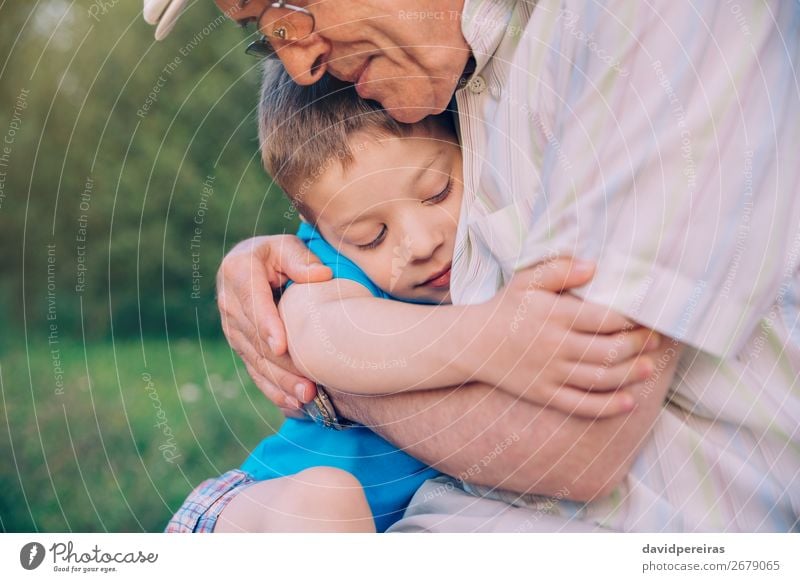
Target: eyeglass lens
{"type": "Point", "coordinates": [286, 22]}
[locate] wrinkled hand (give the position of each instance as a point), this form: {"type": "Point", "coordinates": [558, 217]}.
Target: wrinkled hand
{"type": "Point", "coordinates": [250, 317]}
{"type": "Point", "coordinates": [556, 350]}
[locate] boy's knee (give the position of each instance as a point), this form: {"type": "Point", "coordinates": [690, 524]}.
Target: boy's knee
{"type": "Point", "coordinates": [317, 499]}
{"type": "Point", "coordinates": [329, 492]}
{"type": "Point", "coordinates": [328, 479]}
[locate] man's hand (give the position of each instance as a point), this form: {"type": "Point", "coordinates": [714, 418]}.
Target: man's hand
{"type": "Point", "coordinates": [558, 351]}
{"type": "Point", "coordinates": [250, 317]}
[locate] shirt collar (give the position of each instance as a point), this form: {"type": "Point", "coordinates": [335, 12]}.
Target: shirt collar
{"type": "Point", "coordinates": [484, 23]}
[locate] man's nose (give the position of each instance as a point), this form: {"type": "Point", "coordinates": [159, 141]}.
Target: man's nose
{"type": "Point", "coordinates": [305, 60]}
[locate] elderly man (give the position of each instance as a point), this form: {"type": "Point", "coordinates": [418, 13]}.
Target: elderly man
{"type": "Point", "coordinates": [656, 139]}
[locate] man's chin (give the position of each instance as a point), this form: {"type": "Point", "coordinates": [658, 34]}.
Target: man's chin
{"type": "Point", "coordinates": [410, 102]}
{"type": "Point", "coordinates": [402, 110]}
{"type": "Point", "coordinates": [410, 113]}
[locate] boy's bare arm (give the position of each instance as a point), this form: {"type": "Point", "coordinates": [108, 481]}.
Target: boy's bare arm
{"type": "Point", "coordinates": [459, 431]}
{"type": "Point", "coordinates": [348, 340]}
{"type": "Point", "coordinates": [343, 337]}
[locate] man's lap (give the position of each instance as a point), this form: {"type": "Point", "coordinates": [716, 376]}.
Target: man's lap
{"type": "Point", "coordinates": [441, 505]}
{"type": "Point", "coordinates": [690, 475]}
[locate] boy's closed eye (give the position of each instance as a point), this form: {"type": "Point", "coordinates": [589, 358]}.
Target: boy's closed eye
{"type": "Point", "coordinates": [441, 196]}
{"type": "Point", "coordinates": [435, 199]}
{"type": "Point", "coordinates": [376, 241]}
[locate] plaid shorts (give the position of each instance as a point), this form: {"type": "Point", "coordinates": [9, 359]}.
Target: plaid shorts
{"type": "Point", "coordinates": [200, 511]}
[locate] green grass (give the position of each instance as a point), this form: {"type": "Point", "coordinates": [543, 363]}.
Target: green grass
{"type": "Point", "coordinates": [135, 427]}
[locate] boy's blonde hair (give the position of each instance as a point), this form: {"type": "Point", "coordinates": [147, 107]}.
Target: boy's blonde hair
{"type": "Point", "coordinates": [302, 130]}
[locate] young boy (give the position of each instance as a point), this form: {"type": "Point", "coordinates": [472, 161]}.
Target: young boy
{"type": "Point", "coordinates": [380, 204]}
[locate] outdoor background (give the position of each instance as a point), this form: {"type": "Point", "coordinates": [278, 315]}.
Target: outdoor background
{"type": "Point", "coordinates": [127, 169]}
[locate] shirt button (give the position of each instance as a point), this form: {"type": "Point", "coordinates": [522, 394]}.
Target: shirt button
{"type": "Point", "coordinates": [477, 84]}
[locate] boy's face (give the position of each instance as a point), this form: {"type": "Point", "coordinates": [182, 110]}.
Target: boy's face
{"type": "Point", "coordinates": [394, 211]}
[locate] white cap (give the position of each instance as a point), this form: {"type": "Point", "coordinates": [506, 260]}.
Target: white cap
{"type": "Point", "coordinates": [163, 14]}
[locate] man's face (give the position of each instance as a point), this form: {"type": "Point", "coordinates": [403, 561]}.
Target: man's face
{"type": "Point", "coordinates": [407, 55]}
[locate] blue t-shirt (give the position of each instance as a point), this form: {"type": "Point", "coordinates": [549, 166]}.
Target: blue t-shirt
{"type": "Point", "coordinates": [389, 476]}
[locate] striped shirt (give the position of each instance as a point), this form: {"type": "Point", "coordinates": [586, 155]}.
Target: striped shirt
{"type": "Point", "coordinates": [660, 139]}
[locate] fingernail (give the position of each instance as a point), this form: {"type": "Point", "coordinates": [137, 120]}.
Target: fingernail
{"type": "Point", "coordinates": [300, 391]}
{"type": "Point", "coordinates": [273, 345]}
{"type": "Point", "coordinates": [293, 402]}
{"type": "Point", "coordinates": [582, 266]}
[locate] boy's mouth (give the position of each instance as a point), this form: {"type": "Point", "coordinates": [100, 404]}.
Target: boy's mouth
{"type": "Point", "coordinates": [439, 280]}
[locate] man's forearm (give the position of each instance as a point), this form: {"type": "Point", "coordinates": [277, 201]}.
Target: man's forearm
{"type": "Point", "coordinates": [486, 437]}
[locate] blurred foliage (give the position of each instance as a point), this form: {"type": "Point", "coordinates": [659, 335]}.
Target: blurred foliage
{"type": "Point", "coordinates": [127, 143]}
{"type": "Point", "coordinates": [135, 428]}
{"type": "Point", "coordinates": [127, 169]}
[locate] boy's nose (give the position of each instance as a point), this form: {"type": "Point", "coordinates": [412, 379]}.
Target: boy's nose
{"type": "Point", "coordinates": [423, 242]}
{"type": "Point", "coordinates": [305, 60]}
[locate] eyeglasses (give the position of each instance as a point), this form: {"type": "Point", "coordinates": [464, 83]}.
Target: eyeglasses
{"type": "Point", "coordinates": [281, 21]}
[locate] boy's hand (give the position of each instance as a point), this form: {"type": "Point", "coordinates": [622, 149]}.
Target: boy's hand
{"type": "Point", "coordinates": [250, 317]}
{"type": "Point", "coordinates": [558, 351]}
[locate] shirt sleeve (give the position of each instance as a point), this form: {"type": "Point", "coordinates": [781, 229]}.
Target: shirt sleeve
{"type": "Point", "coordinates": [664, 147]}
{"type": "Point", "coordinates": [341, 266]}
